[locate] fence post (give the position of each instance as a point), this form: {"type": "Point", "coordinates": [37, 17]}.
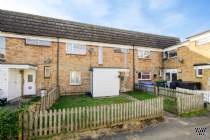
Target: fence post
{"type": "Point", "coordinates": [178, 102]}
{"type": "Point", "coordinates": [20, 133]}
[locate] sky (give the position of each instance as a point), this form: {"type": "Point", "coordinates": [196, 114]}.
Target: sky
{"type": "Point", "coordinates": [179, 18]}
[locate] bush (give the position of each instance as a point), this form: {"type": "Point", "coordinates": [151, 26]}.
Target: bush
{"type": "Point", "coordinates": [9, 126]}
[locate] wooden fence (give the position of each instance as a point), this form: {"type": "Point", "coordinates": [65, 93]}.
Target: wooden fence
{"type": "Point", "coordinates": [189, 103]}
{"type": "Point", "coordinates": [49, 99]}
{"type": "Point", "coordinates": [205, 93]}
{"type": "Point", "coordinates": [50, 122]}
{"type": "Point", "coordinates": [185, 101]}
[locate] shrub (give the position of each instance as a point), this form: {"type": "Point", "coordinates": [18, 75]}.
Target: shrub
{"type": "Point", "coordinates": [9, 126]}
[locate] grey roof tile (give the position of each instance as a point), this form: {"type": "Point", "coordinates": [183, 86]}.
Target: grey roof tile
{"type": "Point", "coordinates": [28, 24]}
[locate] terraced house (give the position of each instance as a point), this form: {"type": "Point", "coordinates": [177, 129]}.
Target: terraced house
{"type": "Point", "coordinates": [41, 53]}
{"type": "Point", "coordinates": [189, 60]}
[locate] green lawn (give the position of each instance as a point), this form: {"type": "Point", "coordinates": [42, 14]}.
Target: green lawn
{"type": "Point", "coordinates": [170, 105]}
{"type": "Point", "coordinates": [85, 100]}
{"type": "Point", "coordinates": [141, 95]}
{"type": "Point", "coordinates": [195, 113]}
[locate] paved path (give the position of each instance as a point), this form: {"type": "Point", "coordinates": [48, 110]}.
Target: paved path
{"type": "Point", "coordinates": [173, 128]}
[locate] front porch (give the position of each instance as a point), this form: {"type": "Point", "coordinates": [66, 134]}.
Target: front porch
{"type": "Point", "coordinates": [17, 80]}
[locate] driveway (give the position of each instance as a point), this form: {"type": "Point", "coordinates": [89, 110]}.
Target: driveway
{"type": "Point", "coordinates": [172, 128]}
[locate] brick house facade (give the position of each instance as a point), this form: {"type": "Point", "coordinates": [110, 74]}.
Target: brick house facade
{"type": "Point", "coordinates": [192, 54]}
{"type": "Point", "coordinates": [47, 43]}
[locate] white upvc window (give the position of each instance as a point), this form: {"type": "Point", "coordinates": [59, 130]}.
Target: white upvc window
{"type": "Point", "coordinates": [199, 72]}
{"type": "Point", "coordinates": [144, 75]}
{"type": "Point", "coordinates": [47, 72]}
{"type": "Point", "coordinates": [100, 55]}
{"type": "Point", "coordinates": [143, 53]}
{"type": "Point", "coordinates": [38, 42]}
{"type": "Point", "coordinates": [2, 45]}
{"type": "Point", "coordinates": [76, 48]}
{"type": "Point", "coordinates": [75, 78]}
{"type": "Point", "coordinates": [203, 41]}
{"type": "Point", "coordinates": [170, 54]}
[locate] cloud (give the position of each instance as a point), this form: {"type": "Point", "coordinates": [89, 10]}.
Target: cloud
{"type": "Point", "coordinates": [161, 4]}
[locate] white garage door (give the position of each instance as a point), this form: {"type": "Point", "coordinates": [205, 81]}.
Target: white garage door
{"type": "Point", "coordinates": [106, 82]}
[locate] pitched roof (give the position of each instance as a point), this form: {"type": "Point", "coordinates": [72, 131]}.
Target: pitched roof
{"type": "Point", "coordinates": [28, 24]}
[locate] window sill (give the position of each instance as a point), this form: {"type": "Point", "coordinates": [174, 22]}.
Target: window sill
{"type": "Point", "coordinates": [199, 76]}
{"type": "Point", "coordinates": [75, 54]}
{"type": "Point", "coordinates": [144, 79]}
{"type": "Point", "coordinates": [75, 84]}
{"type": "Point", "coordinates": [145, 58]}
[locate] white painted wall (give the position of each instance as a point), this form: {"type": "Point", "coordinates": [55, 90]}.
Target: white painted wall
{"type": "Point", "coordinates": [3, 82]}
{"type": "Point", "coordinates": [105, 82]}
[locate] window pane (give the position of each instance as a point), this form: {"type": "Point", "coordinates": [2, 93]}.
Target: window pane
{"type": "Point", "coordinates": [139, 75]}
{"type": "Point", "coordinates": [38, 42]}
{"type": "Point", "coordinates": [2, 44]}
{"type": "Point", "coordinates": [46, 71]}
{"type": "Point", "coordinates": [30, 78]}
{"type": "Point", "coordinates": [172, 53]}
{"type": "Point", "coordinates": [73, 48]}
{"type": "Point", "coordinates": [167, 77]}
{"type": "Point", "coordinates": [75, 77]}
{"type": "Point", "coordinates": [200, 72]}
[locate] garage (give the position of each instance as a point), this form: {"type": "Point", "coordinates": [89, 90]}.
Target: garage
{"type": "Point", "coordinates": [107, 81]}
{"type": "Point", "coordinates": [17, 80]}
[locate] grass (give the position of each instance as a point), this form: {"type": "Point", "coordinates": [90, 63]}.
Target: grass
{"type": "Point", "coordinates": [195, 113]}
{"type": "Point", "coordinates": [86, 100]}
{"type": "Point", "coordinates": [170, 105]}
{"type": "Point", "coordinates": [141, 95]}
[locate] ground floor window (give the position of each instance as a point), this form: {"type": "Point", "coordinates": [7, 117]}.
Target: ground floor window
{"type": "Point", "coordinates": [75, 78]}
{"type": "Point", "coordinates": [199, 72]}
{"type": "Point", "coordinates": [46, 72]}
{"type": "Point", "coordinates": [144, 76]}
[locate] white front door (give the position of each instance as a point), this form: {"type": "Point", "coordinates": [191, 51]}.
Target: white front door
{"type": "Point", "coordinates": [14, 84]}
{"type": "Point", "coordinates": [29, 82]}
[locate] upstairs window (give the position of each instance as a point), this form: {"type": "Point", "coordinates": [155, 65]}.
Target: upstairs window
{"type": "Point", "coordinates": [75, 78]}
{"type": "Point", "coordinates": [2, 45]}
{"type": "Point", "coordinates": [170, 54]}
{"type": "Point", "coordinates": [144, 76]}
{"type": "Point", "coordinates": [75, 48]}
{"type": "Point", "coordinates": [199, 72]}
{"type": "Point", "coordinates": [203, 41]}
{"type": "Point", "coordinates": [143, 54]}
{"type": "Point", "coordinates": [38, 42]}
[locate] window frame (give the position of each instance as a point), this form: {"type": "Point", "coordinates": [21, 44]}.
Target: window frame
{"type": "Point", "coordinates": [45, 75]}
{"type": "Point", "coordinates": [78, 73]}
{"type": "Point", "coordinates": [145, 56]}
{"type": "Point", "coordinates": [70, 49]}
{"type": "Point", "coordinates": [197, 72]}
{"type": "Point", "coordinates": [2, 50]}
{"type": "Point", "coordinates": [37, 42]}
{"type": "Point", "coordinates": [143, 73]}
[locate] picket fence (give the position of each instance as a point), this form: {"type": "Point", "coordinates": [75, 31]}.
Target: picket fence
{"type": "Point", "coordinates": [185, 101]}
{"type": "Point", "coordinates": [189, 103]}
{"type": "Point", "coordinates": [206, 94]}
{"type": "Point", "coordinates": [49, 99]}
{"type": "Point", "coordinates": [48, 122]}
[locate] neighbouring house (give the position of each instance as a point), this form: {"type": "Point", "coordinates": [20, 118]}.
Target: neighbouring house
{"type": "Point", "coordinates": [40, 53]}
{"type": "Point", "coordinates": [189, 60]}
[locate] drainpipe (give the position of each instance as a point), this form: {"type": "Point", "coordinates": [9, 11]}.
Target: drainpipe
{"type": "Point", "coordinates": [133, 68]}
{"type": "Point", "coordinates": [57, 74]}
